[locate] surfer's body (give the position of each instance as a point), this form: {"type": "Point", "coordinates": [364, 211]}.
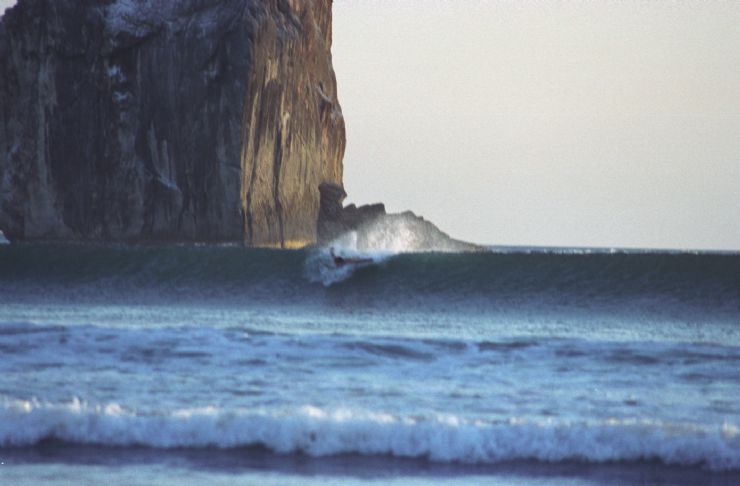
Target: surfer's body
{"type": "Point", "coordinates": [340, 261]}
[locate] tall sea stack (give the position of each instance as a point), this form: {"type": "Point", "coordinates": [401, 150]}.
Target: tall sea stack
{"type": "Point", "coordinates": [167, 120]}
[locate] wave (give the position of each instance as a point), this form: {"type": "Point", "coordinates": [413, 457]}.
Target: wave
{"type": "Point", "coordinates": [320, 265]}
{"type": "Point", "coordinates": [319, 433]}
{"type": "Point", "coordinates": [688, 284]}
{"type": "Point", "coordinates": [377, 241]}
{"type": "Point", "coordinates": [402, 233]}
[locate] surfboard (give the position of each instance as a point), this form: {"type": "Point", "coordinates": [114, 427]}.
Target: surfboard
{"type": "Point", "coordinates": [340, 262]}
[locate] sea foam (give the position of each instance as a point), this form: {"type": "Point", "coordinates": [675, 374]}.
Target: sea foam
{"type": "Point", "coordinates": [317, 432]}
{"type": "Point", "coordinates": [378, 240]}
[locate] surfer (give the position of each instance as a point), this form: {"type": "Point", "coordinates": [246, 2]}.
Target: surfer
{"type": "Point", "coordinates": [341, 261]}
{"type": "Point", "coordinates": [338, 261]}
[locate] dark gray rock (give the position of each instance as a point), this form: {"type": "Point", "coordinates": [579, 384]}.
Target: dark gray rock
{"type": "Point", "coordinates": [370, 228]}
{"type": "Point", "coordinates": [174, 120]}
{"type": "Point", "coordinates": [335, 219]}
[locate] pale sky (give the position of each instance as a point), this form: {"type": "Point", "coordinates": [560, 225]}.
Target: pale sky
{"type": "Point", "coordinates": [612, 124]}
{"type": "Point", "coordinates": [576, 123]}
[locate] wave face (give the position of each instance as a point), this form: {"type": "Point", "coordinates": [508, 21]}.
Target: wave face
{"type": "Point", "coordinates": [704, 283]}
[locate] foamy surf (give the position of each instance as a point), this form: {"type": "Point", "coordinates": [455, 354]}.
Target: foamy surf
{"type": "Point", "coordinates": [376, 242]}
{"type": "Point", "coordinates": [321, 267]}
{"type": "Point", "coordinates": [320, 433]}
{"type": "Point", "coordinates": [402, 233]}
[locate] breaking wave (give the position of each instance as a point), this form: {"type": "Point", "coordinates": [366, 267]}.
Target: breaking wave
{"type": "Point", "coordinates": [681, 283]}
{"type": "Point", "coordinates": [378, 240]}
{"type": "Point", "coordinates": [317, 432]}
{"type": "Point", "coordinates": [320, 266]}
{"type": "Point", "coordinates": [402, 233]}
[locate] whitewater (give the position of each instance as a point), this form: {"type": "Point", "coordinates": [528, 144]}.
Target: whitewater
{"type": "Point", "coordinates": [222, 364]}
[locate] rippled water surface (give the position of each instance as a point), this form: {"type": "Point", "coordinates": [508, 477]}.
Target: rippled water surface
{"type": "Point", "coordinates": [499, 366]}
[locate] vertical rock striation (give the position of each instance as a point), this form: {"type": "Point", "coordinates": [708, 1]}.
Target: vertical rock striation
{"type": "Point", "coordinates": [294, 130]}
{"type": "Point", "coordinates": [167, 120]}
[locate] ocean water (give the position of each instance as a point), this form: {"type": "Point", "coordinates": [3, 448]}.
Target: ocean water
{"type": "Point", "coordinates": [221, 365]}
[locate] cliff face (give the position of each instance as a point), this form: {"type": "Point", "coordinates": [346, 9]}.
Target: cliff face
{"type": "Point", "coordinates": [175, 120]}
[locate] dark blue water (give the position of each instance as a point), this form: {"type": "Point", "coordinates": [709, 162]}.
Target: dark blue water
{"type": "Point", "coordinates": [447, 360]}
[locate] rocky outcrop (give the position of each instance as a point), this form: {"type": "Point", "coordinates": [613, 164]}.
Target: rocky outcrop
{"type": "Point", "coordinates": [167, 120]}
{"type": "Point", "coordinates": [371, 228]}
{"type": "Point", "coordinates": [335, 219]}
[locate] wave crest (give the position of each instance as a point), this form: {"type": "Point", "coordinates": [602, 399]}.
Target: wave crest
{"type": "Point", "coordinates": [318, 432]}
{"type": "Point", "coordinates": [376, 241]}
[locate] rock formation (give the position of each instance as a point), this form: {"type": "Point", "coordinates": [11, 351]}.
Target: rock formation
{"type": "Point", "coordinates": [335, 219]}
{"type": "Point", "coordinates": [369, 227]}
{"type": "Point", "coordinates": [167, 120]}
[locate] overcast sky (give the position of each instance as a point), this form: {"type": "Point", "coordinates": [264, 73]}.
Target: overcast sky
{"type": "Point", "coordinates": [610, 124]}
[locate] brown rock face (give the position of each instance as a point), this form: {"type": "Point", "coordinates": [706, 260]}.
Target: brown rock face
{"type": "Point", "coordinates": [294, 129]}
{"type": "Point", "coordinates": [167, 120]}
